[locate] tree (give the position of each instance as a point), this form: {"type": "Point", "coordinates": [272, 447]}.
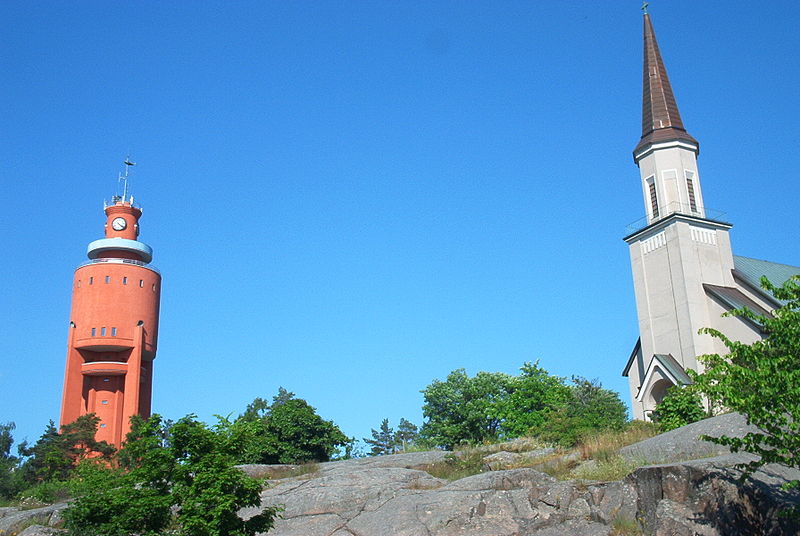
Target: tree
{"type": "Point", "coordinates": [286, 431]}
{"type": "Point", "coordinates": [179, 476]}
{"type": "Point", "coordinates": [55, 454]}
{"type": "Point", "coordinates": [406, 434]}
{"type": "Point", "coordinates": [761, 380]}
{"type": "Point", "coordinates": [383, 440]}
{"type": "Point", "coordinates": [9, 482]}
{"type": "Point", "coordinates": [534, 396]}
{"type": "Point", "coordinates": [680, 406]}
{"type": "Point", "coordinates": [589, 408]}
{"type": "Point", "coordinates": [463, 409]}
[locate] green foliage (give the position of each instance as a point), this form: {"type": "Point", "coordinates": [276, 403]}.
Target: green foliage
{"type": "Point", "coordinates": [286, 431]}
{"type": "Point", "coordinates": [177, 476]}
{"type": "Point", "coordinates": [588, 408]}
{"type": "Point", "coordinates": [491, 406]}
{"type": "Point", "coordinates": [406, 435]}
{"type": "Point", "coordinates": [680, 406]}
{"type": "Point", "coordinates": [10, 482]}
{"type": "Point", "coordinates": [387, 441]}
{"type": "Point", "coordinates": [383, 440]}
{"type": "Point", "coordinates": [534, 395]}
{"type": "Point", "coordinates": [463, 409]}
{"type": "Point", "coordinates": [762, 380]}
{"type": "Point", "coordinates": [54, 456]}
{"type": "Point", "coordinates": [47, 492]}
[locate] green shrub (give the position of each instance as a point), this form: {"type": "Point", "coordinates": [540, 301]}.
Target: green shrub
{"type": "Point", "coordinates": [49, 492]}
{"type": "Point", "coordinates": [680, 406]}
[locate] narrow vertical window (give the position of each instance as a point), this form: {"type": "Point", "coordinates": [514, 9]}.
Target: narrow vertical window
{"type": "Point", "coordinates": [141, 283]}
{"type": "Point", "coordinates": [94, 332]}
{"type": "Point", "coordinates": [113, 332]}
{"type": "Point", "coordinates": [690, 189]}
{"type": "Point", "coordinates": [79, 283]}
{"type": "Point", "coordinates": [91, 280]}
{"type": "Point", "coordinates": [102, 332]}
{"type": "Point", "coordinates": [154, 287]}
{"type": "Point", "coordinates": [653, 198]}
{"type": "Point", "coordinates": [124, 280]}
{"type": "Point", "coordinates": [108, 279]}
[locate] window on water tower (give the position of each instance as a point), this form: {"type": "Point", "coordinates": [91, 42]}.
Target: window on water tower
{"type": "Point", "coordinates": [94, 332]}
{"type": "Point", "coordinates": [141, 283]}
{"type": "Point", "coordinates": [102, 425]}
{"type": "Point", "coordinates": [108, 279]}
{"type": "Point", "coordinates": [91, 280]}
{"type": "Point", "coordinates": [102, 332]}
{"type": "Point", "coordinates": [113, 332]}
{"type": "Point", "coordinates": [104, 402]}
{"type": "Point", "coordinates": [124, 280]}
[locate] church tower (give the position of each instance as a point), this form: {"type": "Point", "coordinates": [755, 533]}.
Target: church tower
{"type": "Point", "coordinates": [113, 329]}
{"type": "Point", "coordinates": [677, 250]}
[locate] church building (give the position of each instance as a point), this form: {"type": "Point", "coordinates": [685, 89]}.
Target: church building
{"type": "Point", "coordinates": [685, 274]}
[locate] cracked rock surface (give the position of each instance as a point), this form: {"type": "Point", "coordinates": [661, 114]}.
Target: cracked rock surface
{"type": "Point", "coordinates": [393, 496]}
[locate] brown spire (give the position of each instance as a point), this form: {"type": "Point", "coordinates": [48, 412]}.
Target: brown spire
{"type": "Point", "coordinates": [661, 120]}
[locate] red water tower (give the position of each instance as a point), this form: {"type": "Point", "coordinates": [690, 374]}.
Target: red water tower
{"type": "Point", "coordinates": [113, 329]}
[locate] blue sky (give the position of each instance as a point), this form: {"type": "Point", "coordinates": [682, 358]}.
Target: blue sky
{"type": "Point", "coordinates": [351, 199]}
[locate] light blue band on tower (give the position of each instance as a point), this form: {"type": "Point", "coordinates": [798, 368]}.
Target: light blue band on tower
{"type": "Point", "coordinates": [99, 247]}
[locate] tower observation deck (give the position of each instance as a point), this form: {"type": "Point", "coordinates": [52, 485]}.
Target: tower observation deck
{"type": "Point", "coordinates": [113, 329]}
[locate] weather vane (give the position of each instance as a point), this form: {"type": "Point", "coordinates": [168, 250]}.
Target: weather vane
{"type": "Point", "coordinates": [644, 7]}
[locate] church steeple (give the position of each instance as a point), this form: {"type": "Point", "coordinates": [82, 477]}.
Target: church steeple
{"type": "Point", "coordinates": [661, 120]}
{"type": "Point", "coordinates": [666, 153]}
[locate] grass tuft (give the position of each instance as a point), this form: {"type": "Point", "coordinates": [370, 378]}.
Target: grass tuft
{"type": "Point", "coordinates": [623, 526]}
{"type": "Point", "coordinates": [605, 445]}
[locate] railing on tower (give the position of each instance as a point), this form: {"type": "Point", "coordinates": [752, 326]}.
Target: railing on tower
{"type": "Point", "coordinates": [677, 208]}
{"type": "Point", "coordinates": [120, 261]}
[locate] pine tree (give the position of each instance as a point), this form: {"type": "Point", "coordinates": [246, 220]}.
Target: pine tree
{"type": "Point", "coordinates": [383, 440]}
{"type": "Point", "coordinates": [406, 435]}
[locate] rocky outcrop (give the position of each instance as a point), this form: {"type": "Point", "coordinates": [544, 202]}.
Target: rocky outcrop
{"type": "Point", "coordinates": [397, 496]}
{"type": "Point", "coordinates": [348, 500]}
{"type": "Point", "coordinates": [392, 496]}
{"type": "Point", "coordinates": [684, 443]}
{"type": "Point", "coordinates": [13, 520]}
{"type": "Point", "coordinates": [709, 498]}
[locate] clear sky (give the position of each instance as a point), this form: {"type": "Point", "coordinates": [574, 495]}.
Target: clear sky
{"type": "Point", "coordinates": [351, 199]}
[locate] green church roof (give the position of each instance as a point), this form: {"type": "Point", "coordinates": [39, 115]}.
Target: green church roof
{"type": "Point", "coordinates": [751, 271]}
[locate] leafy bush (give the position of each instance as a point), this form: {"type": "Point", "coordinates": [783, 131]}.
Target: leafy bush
{"type": "Point", "coordinates": [286, 431]}
{"type": "Point", "coordinates": [462, 409]}
{"type": "Point", "coordinates": [494, 406]}
{"type": "Point", "coordinates": [762, 380]}
{"type": "Point", "coordinates": [49, 492]}
{"type": "Point", "coordinates": [680, 406]}
{"type": "Point", "coordinates": [178, 477]}
{"type": "Point", "coordinates": [588, 408]}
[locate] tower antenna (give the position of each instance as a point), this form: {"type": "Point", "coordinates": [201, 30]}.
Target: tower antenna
{"type": "Point", "coordinates": [644, 7]}
{"type": "Point", "coordinates": [124, 178]}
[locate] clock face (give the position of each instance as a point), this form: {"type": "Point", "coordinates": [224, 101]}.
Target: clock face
{"type": "Point", "coordinates": [119, 224]}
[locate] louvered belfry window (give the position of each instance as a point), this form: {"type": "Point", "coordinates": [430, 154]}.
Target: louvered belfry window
{"type": "Point", "coordinates": [653, 199]}
{"type": "Point", "coordinates": [690, 189]}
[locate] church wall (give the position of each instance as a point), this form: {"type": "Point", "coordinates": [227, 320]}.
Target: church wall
{"type": "Point", "coordinates": [734, 328]}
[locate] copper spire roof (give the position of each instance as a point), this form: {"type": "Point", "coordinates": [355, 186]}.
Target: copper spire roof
{"type": "Point", "coordinates": [661, 120]}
